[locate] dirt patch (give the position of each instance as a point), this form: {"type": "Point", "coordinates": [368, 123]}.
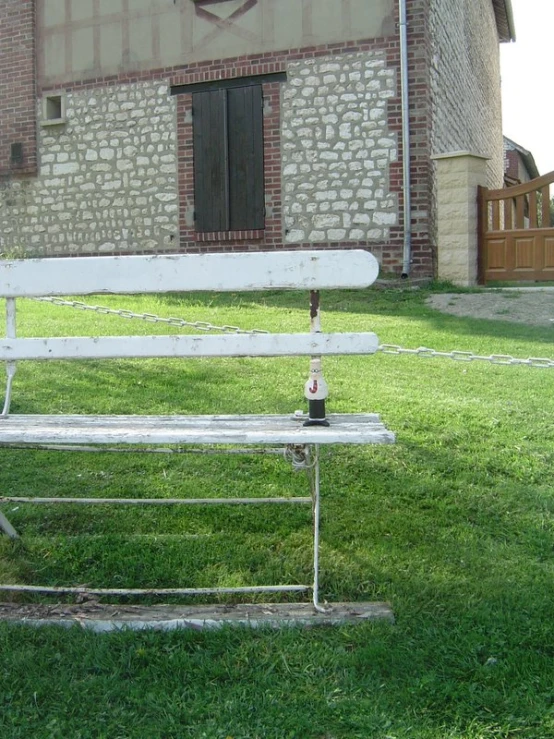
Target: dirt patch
{"type": "Point", "coordinates": [533, 307]}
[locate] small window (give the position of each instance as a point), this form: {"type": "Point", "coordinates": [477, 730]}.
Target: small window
{"type": "Point", "coordinates": [228, 159]}
{"type": "Point", "coordinates": [16, 155]}
{"type": "Point", "coordinates": [53, 110]}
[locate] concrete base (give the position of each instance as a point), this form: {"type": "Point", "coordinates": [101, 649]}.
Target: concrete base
{"type": "Point", "coordinates": [100, 617]}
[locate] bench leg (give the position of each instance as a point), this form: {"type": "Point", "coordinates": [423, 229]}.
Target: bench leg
{"type": "Point", "coordinates": [7, 528]}
{"type": "Point", "coordinates": [315, 508]}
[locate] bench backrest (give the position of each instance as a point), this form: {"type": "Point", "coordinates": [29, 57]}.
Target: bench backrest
{"type": "Point", "coordinates": [312, 270]}
{"type": "Point", "coordinates": [285, 270]}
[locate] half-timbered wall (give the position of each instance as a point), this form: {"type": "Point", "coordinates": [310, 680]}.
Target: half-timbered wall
{"type": "Point", "coordinates": [83, 39]}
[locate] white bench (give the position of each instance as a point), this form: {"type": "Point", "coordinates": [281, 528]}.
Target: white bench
{"type": "Point", "coordinates": [301, 434]}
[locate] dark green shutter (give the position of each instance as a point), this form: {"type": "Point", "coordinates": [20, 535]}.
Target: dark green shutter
{"type": "Point", "coordinates": [211, 164]}
{"type": "Point", "coordinates": [246, 163]}
{"type": "Point", "coordinates": [228, 159]}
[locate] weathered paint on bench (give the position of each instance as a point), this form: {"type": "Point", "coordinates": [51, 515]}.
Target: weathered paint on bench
{"type": "Point", "coordinates": [183, 346]}
{"type": "Point", "coordinates": [284, 270]}
{"type": "Point", "coordinates": [249, 429]}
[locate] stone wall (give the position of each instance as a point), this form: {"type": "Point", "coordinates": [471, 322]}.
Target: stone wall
{"type": "Point", "coordinates": [352, 174]}
{"type": "Point", "coordinates": [107, 181]}
{"type": "Point", "coordinates": [336, 149]}
{"type": "Point", "coordinates": [117, 176]}
{"type": "Point", "coordinates": [112, 181]}
{"type": "Point", "coordinates": [465, 82]}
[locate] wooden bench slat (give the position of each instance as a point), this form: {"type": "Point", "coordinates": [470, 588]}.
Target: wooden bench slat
{"type": "Point", "coordinates": [363, 428]}
{"type": "Point", "coordinates": [226, 345]}
{"type": "Point", "coordinates": [282, 270]}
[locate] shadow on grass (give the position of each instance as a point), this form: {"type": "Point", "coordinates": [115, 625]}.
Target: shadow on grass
{"type": "Point", "coordinates": [469, 657]}
{"type": "Point", "coordinates": [463, 660]}
{"type": "Point", "coordinates": [456, 532]}
{"type": "Point", "coordinates": [158, 386]}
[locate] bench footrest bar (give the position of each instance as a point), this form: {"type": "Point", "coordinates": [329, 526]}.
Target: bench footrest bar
{"type": "Point", "coordinates": [143, 450]}
{"type": "Point", "coordinates": [151, 501]}
{"type": "Point", "coordinates": [54, 590]}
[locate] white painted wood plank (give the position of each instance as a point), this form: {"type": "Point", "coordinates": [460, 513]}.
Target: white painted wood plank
{"type": "Point", "coordinates": [257, 429]}
{"type": "Point", "coordinates": [205, 345]}
{"type": "Point", "coordinates": [100, 617]}
{"type": "Point", "coordinates": [188, 272]}
{"type": "Point", "coordinates": [259, 420]}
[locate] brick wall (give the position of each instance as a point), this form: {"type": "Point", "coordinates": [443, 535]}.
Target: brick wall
{"type": "Point", "coordinates": [515, 169]}
{"type": "Point", "coordinates": [454, 104]}
{"type": "Point", "coordinates": [17, 85]}
{"type": "Point", "coordinates": [511, 165]}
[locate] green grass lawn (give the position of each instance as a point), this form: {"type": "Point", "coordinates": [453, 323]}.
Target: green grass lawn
{"type": "Point", "coordinates": [453, 526]}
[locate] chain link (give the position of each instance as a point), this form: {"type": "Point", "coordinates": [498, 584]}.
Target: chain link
{"type": "Point", "coordinates": [460, 356]}
{"type": "Point", "coordinates": [150, 317]}
{"type": "Point", "coordinates": [422, 351]}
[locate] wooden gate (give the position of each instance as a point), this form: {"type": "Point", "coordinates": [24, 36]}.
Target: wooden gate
{"type": "Point", "coordinates": [516, 233]}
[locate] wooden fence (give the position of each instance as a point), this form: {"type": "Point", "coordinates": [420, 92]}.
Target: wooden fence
{"type": "Point", "coordinates": [516, 234]}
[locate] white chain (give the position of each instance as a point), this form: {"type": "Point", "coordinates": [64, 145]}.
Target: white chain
{"type": "Point", "coordinates": [150, 317]}
{"type": "Point", "coordinates": [461, 356]}
{"type": "Point", "coordinates": [422, 351]}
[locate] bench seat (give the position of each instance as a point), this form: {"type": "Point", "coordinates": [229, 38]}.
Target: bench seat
{"type": "Point", "coordinates": [363, 428]}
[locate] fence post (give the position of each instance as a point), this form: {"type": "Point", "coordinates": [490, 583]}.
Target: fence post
{"type": "Point", "coordinates": [458, 174]}
{"type": "Point", "coordinates": [482, 206]}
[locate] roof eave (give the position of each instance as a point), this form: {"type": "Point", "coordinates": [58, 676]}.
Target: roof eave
{"type": "Point", "coordinates": [531, 165]}
{"type": "Point", "coordinates": [504, 20]}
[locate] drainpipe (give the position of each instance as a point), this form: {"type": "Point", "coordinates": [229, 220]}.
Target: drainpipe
{"type": "Point", "coordinates": [407, 252]}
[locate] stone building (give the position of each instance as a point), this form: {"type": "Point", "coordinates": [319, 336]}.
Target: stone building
{"type": "Point", "coordinates": [133, 126]}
